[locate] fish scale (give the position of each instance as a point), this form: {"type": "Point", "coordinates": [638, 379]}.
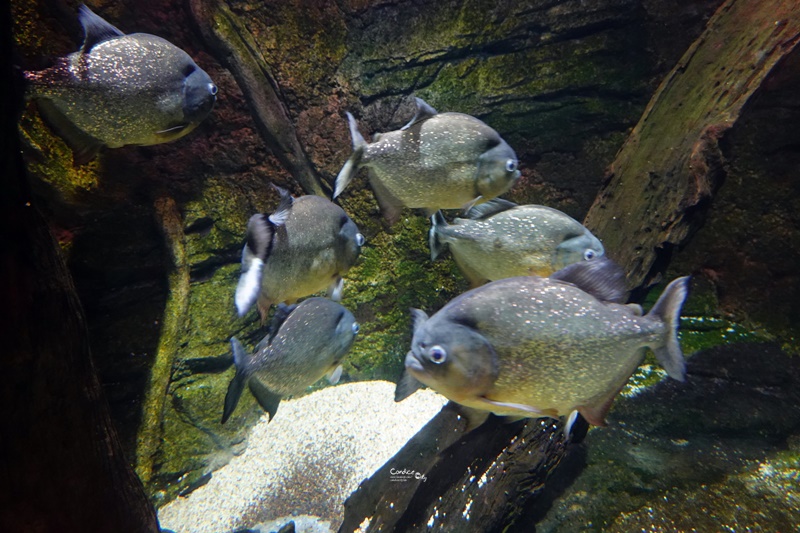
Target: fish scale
{"type": "Point", "coordinates": [121, 89]}
{"type": "Point", "coordinates": [437, 161]}
{"type": "Point", "coordinates": [532, 346]}
{"type": "Point", "coordinates": [509, 240]}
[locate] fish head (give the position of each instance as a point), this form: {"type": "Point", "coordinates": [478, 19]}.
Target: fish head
{"type": "Point", "coordinates": [350, 241]}
{"type": "Point", "coordinates": [575, 248]}
{"type": "Point", "coordinates": [344, 333]}
{"type": "Point", "coordinates": [497, 169]}
{"type": "Point", "coordinates": [451, 358]}
{"type": "Point", "coordinates": [199, 93]}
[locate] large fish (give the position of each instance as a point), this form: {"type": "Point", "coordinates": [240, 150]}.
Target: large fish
{"type": "Point", "coordinates": [500, 239]}
{"type": "Point", "coordinates": [121, 89]}
{"type": "Point", "coordinates": [540, 347]}
{"type": "Point", "coordinates": [436, 161]}
{"type": "Point", "coordinates": [305, 246]}
{"type": "Point", "coordinates": [305, 342]}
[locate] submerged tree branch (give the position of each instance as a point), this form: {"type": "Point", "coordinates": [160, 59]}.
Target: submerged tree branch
{"type": "Point", "coordinates": [661, 184]}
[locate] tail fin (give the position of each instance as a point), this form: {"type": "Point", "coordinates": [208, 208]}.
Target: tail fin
{"type": "Point", "coordinates": [259, 241]}
{"type": "Point", "coordinates": [437, 246]}
{"type": "Point", "coordinates": [668, 310]}
{"type": "Point", "coordinates": [351, 166]}
{"type": "Point", "coordinates": [237, 384]}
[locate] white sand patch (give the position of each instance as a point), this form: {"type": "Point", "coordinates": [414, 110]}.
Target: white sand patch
{"type": "Point", "coordinates": [307, 461]}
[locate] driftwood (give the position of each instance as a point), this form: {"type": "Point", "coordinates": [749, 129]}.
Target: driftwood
{"type": "Point", "coordinates": [660, 186]}
{"type": "Point", "coordinates": [61, 461]}
{"type": "Point", "coordinates": [449, 481]}
{"type": "Point", "coordinates": [235, 48]}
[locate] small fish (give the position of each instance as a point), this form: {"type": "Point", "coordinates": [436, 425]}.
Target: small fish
{"type": "Point", "coordinates": [305, 342]}
{"type": "Point", "coordinates": [540, 347]}
{"type": "Point", "coordinates": [305, 246]}
{"type": "Point", "coordinates": [500, 239]}
{"type": "Point", "coordinates": [121, 89]}
{"type": "Point", "coordinates": [436, 161]}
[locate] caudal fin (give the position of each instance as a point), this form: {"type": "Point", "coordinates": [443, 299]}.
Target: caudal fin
{"type": "Point", "coordinates": [668, 310]}
{"type": "Point", "coordinates": [351, 166]}
{"type": "Point", "coordinates": [237, 384]}
{"type": "Point", "coordinates": [436, 245]}
{"type": "Point", "coordinates": [259, 241]}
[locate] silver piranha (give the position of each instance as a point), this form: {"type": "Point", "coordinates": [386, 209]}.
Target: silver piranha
{"type": "Point", "coordinates": [305, 342]}
{"type": "Point", "coordinates": [500, 239]}
{"type": "Point", "coordinates": [304, 247]}
{"type": "Point", "coordinates": [121, 89]}
{"type": "Point", "coordinates": [540, 347]}
{"type": "Point", "coordinates": [436, 161]}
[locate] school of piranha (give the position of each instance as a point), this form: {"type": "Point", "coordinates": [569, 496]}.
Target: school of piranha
{"type": "Point", "coordinates": [544, 331]}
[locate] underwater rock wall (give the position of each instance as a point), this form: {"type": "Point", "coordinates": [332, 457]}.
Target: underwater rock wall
{"type": "Point", "coordinates": [153, 234]}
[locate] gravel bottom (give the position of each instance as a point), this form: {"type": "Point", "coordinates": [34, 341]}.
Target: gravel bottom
{"type": "Point", "coordinates": [307, 461]}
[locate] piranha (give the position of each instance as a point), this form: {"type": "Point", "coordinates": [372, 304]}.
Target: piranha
{"type": "Point", "coordinates": [305, 246]}
{"type": "Point", "coordinates": [436, 161]}
{"type": "Point", "coordinates": [500, 239]}
{"type": "Point", "coordinates": [304, 342]}
{"type": "Point", "coordinates": [540, 347]}
{"type": "Point", "coordinates": [121, 89]}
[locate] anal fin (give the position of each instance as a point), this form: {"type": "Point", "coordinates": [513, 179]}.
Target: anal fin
{"type": "Point", "coordinates": [391, 206]}
{"type": "Point", "coordinates": [84, 146]}
{"type": "Point", "coordinates": [267, 399]}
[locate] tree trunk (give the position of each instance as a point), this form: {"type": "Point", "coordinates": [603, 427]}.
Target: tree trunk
{"type": "Point", "coordinates": [447, 481]}
{"type": "Point", "coordinates": [61, 464]}
{"type": "Point", "coordinates": [660, 186]}
{"type": "Point", "coordinates": [235, 47]}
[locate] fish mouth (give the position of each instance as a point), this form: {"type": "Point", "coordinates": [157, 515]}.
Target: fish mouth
{"type": "Point", "coordinates": [413, 364]}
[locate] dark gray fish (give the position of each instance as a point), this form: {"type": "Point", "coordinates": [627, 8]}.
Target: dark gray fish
{"type": "Point", "coordinates": [304, 247]}
{"type": "Point", "coordinates": [540, 347]}
{"type": "Point", "coordinates": [500, 239]}
{"type": "Point", "coordinates": [436, 161]}
{"type": "Point", "coordinates": [121, 89]}
{"type": "Point", "coordinates": [305, 342]}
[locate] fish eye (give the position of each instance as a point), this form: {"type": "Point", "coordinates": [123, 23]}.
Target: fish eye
{"type": "Point", "coordinates": [360, 240]}
{"type": "Point", "coordinates": [437, 354]}
{"type": "Point", "coordinates": [355, 328]}
{"type": "Point", "coordinates": [212, 89]}
{"type": "Point", "coordinates": [511, 165]}
{"type": "Point", "coordinates": [588, 255]}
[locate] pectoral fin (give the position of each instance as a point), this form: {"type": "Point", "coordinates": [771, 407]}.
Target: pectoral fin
{"type": "Point", "coordinates": [335, 375]}
{"type": "Point", "coordinates": [336, 289]}
{"type": "Point", "coordinates": [532, 412]}
{"type": "Point", "coordinates": [406, 386]}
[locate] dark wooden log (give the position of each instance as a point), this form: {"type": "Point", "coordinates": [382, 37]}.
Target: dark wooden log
{"type": "Point", "coordinates": [663, 179]}
{"type": "Point", "coordinates": [61, 463]}
{"type": "Point", "coordinates": [235, 48]}
{"type": "Point", "coordinates": [475, 482]}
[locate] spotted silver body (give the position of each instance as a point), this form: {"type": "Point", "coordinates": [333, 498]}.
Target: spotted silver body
{"type": "Point", "coordinates": [305, 342]}
{"type": "Point", "coordinates": [118, 90]}
{"type": "Point", "coordinates": [304, 247]}
{"type": "Point", "coordinates": [437, 161]}
{"type": "Point", "coordinates": [500, 239]}
{"type": "Point", "coordinates": [533, 347]}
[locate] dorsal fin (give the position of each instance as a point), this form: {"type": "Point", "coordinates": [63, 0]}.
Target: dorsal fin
{"type": "Point", "coordinates": [487, 209]}
{"type": "Point", "coordinates": [424, 111]}
{"type": "Point", "coordinates": [601, 277]}
{"type": "Point", "coordinates": [95, 29]}
{"type": "Point", "coordinates": [282, 312]}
